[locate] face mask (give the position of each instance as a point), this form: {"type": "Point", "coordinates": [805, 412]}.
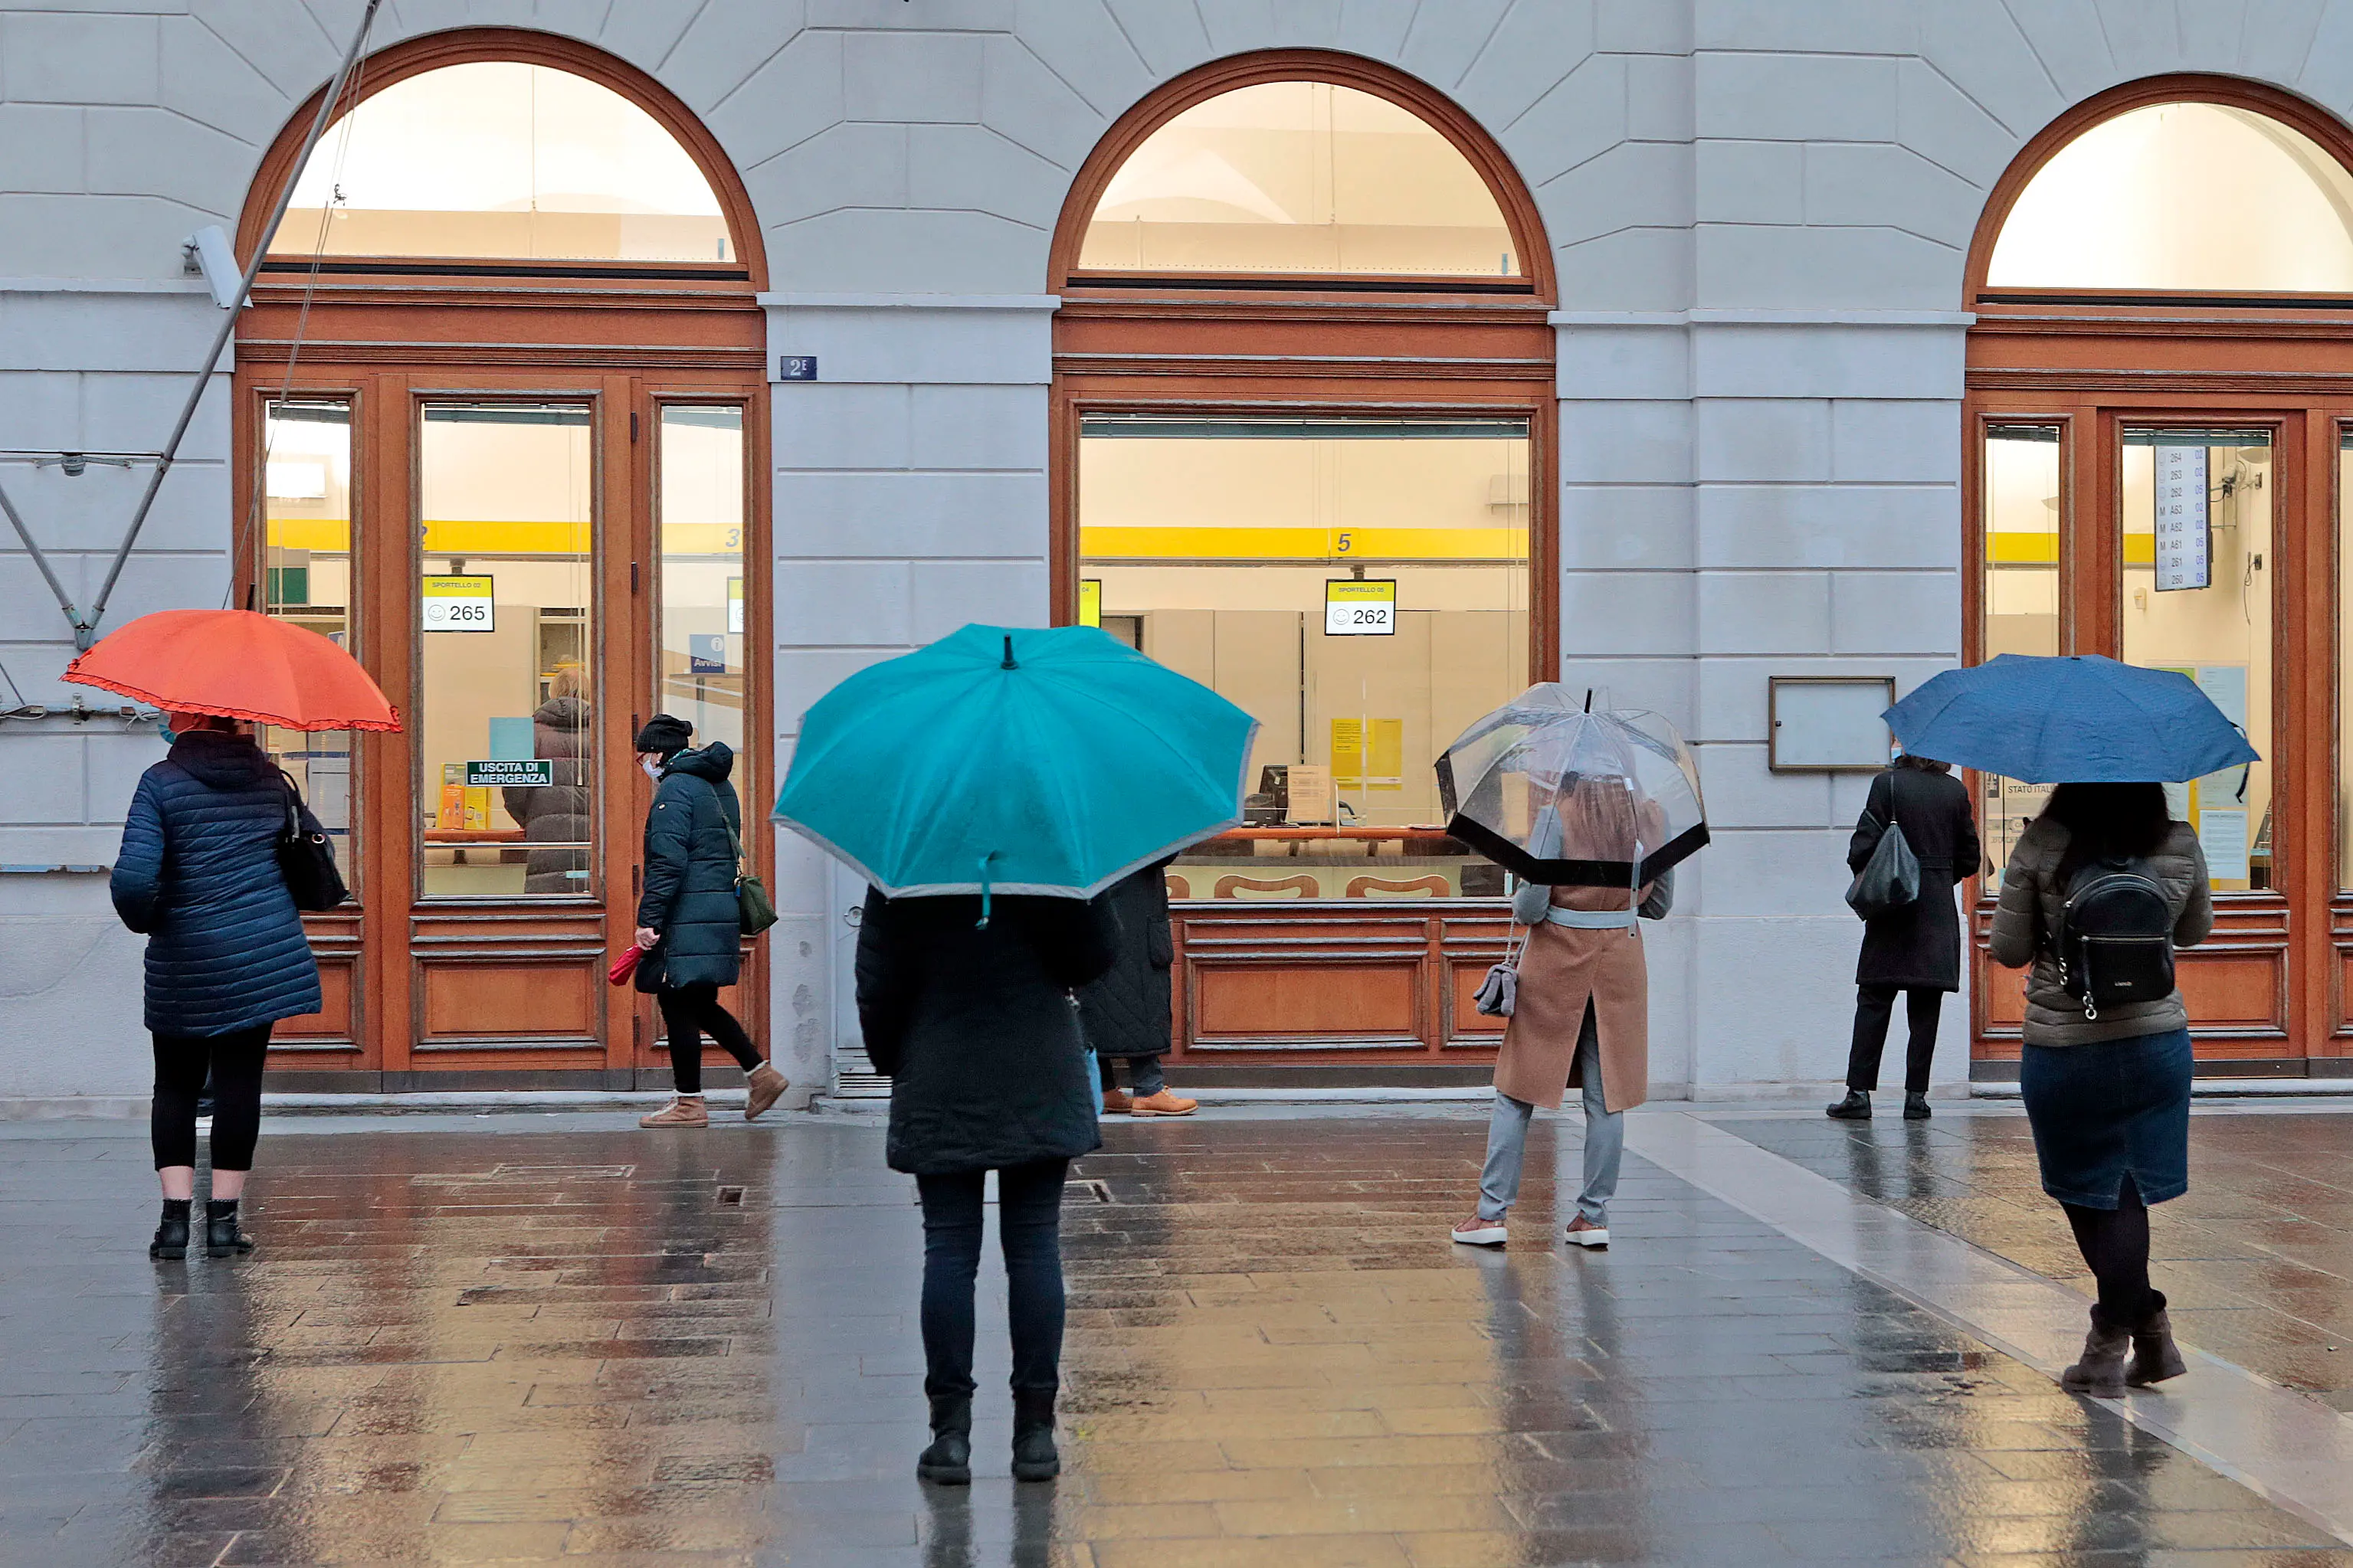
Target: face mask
{"type": "Point", "coordinates": [653, 767]}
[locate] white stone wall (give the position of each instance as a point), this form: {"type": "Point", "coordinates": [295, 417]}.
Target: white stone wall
{"type": "Point", "coordinates": [1758, 210]}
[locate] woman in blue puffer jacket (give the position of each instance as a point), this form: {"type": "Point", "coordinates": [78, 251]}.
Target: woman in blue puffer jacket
{"type": "Point", "coordinates": [198, 875]}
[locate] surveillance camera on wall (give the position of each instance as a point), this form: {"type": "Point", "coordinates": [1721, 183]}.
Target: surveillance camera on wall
{"type": "Point", "coordinates": [210, 253]}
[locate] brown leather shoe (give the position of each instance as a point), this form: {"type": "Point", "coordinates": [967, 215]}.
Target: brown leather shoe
{"type": "Point", "coordinates": [1163, 1104]}
{"type": "Point", "coordinates": [683, 1110]}
{"type": "Point", "coordinates": [767, 1087]}
{"type": "Point", "coordinates": [1116, 1102]}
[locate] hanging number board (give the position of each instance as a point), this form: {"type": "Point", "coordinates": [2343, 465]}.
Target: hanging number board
{"type": "Point", "coordinates": [459, 605]}
{"type": "Point", "coordinates": [2184, 544]}
{"type": "Point", "coordinates": [1359, 607]}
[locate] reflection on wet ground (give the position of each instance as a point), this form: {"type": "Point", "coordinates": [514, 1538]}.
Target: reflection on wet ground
{"type": "Point", "coordinates": [2256, 1259]}
{"type": "Point", "coordinates": [605, 1346]}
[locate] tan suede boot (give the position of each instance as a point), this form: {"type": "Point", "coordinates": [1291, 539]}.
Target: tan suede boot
{"type": "Point", "coordinates": [1163, 1103]}
{"type": "Point", "coordinates": [683, 1110]}
{"type": "Point", "coordinates": [2102, 1369]}
{"type": "Point", "coordinates": [767, 1087]}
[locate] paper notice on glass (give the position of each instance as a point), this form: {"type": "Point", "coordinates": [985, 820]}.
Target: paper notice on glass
{"type": "Point", "coordinates": [2225, 686]}
{"type": "Point", "coordinates": [2223, 835]}
{"type": "Point", "coordinates": [2184, 542]}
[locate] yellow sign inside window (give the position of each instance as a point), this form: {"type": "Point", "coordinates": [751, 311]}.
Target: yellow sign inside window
{"type": "Point", "coordinates": [1091, 601]}
{"type": "Point", "coordinates": [1349, 762]}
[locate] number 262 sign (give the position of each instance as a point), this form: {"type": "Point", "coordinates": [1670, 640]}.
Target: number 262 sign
{"type": "Point", "coordinates": [459, 605]}
{"type": "Point", "coordinates": [1359, 607]}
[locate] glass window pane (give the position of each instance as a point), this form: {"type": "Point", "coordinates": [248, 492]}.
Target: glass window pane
{"type": "Point", "coordinates": [2198, 598]}
{"type": "Point", "coordinates": [1299, 176]}
{"type": "Point", "coordinates": [501, 159]}
{"type": "Point", "coordinates": [1255, 555]}
{"type": "Point", "coordinates": [702, 624]}
{"type": "Point", "coordinates": [306, 508]}
{"type": "Point", "coordinates": [2182, 196]}
{"type": "Point", "coordinates": [506, 725]}
{"type": "Point", "coordinates": [2021, 603]}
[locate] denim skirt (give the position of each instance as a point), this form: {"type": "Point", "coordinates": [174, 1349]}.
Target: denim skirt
{"type": "Point", "coordinates": [2102, 1112]}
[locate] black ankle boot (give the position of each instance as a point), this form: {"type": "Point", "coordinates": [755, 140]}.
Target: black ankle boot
{"type": "Point", "coordinates": [1034, 1458]}
{"type": "Point", "coordinates": [1915, 1107]}
{"type": "Point", "coordinates": [948, 1460]}
{"type": "Point", "coordinates": [172, 1235]}
{"type": "Point", "coordinates": [221, 1234]}
{"type": "Point", "coordinates": [1855, 1107]}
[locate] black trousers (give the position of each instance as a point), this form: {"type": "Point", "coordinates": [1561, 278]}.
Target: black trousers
{"type": "Point", "coordinates": [2114, 1245]}
{"type": "Point", "coordinates": [688, 1014]}
{"type": "Point", "coordinates": [1874, 1005]}
{"type": "Point", "coordinates": [1029, 1228]}
{"type": "Point", "coordinates": [234, 1062]}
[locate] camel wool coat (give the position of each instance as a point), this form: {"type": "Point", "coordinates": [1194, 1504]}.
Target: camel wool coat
{"type": "Point", "coordinates": [1562, 970]}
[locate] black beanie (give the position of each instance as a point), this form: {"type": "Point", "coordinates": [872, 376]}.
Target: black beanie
{"type": "Point", "coordinates": [665, 733]}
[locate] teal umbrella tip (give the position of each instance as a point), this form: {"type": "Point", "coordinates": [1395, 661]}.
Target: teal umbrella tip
{"type": "Point", "coordinates": [1009, 663]}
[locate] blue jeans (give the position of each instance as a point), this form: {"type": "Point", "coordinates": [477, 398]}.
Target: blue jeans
{"type": "Point", "coordinates": [1029, 1228]}
{"type": "Point", "coordinates": [1605, 1141]}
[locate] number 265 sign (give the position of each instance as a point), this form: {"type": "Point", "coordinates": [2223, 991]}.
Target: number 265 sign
{"type": "Point", "coordinates": [459, 605]}
{"type": "Point", "coordinates": [1360, 607]}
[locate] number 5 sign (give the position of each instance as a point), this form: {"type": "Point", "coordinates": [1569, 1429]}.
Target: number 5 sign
{"type": "Point", "coordinates": [1357, 607]}
{"type": "Point", "coordinates": [459, 605]}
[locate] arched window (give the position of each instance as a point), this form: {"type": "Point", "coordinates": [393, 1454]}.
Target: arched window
{"type": "Point", "coordinates": [503, 159]}
{"type": "Point", "coordinates": [2183, 196]}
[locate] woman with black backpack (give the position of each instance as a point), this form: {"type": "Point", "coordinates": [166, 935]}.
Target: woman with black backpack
{"type": "Point", "coordinates": [2101, 887]}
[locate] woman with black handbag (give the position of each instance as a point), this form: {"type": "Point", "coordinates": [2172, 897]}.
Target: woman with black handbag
{"type": "Point", "coordinates": [209, 872]}
{"type": "Point", "coordinates": [1914, 947]}
{"type": "Point", "coordinates": [691, 916]}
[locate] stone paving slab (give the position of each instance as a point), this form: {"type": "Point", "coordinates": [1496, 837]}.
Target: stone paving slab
{"type": "Point", "coordinates": [599, 1345]}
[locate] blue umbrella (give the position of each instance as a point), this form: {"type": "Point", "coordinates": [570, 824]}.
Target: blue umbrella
{"type": "Point", "coordinates": [2078, 720]}
{"type": "Point", "coordinates": [1015, 761]}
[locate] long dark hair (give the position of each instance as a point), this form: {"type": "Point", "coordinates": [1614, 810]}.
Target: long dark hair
{"type": "Point", "coordinates": [2107, 821]}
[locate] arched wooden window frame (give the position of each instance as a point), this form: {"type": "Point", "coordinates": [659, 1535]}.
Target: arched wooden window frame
{"type": "Point", "coordinates": [1222, 76]}
{"type": "Point", "coordinates": [2088, 361]}
{"type": "Point", "coordinates": [2226, 92]}
{"type": "Point", "coordinates": [516, 46]}
{"type": "Point", "coordinates": [625, 339]}
{"type": "Point", "coordinates": [1309, 344]}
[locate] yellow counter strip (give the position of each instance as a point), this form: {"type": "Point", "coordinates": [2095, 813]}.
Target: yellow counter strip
{"type": "Point", "coordinates": [332, 535]}
{"type": "Point", "coordinates": [1304, 543]}
{"type": "Point", "coordinates": [2004, 549]}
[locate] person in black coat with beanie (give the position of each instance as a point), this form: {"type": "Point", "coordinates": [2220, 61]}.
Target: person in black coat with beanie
{"type": "Point", "coordinates": [226, 957]}
{"type": "Point", "coordinates": [689, 926]}
{"type": "Point", "coordinates": [1128, 1012]}
{"type": "Point", "coordinates": [1915, 950]}
{"type": "Point", "coordinates": [969, 1010]}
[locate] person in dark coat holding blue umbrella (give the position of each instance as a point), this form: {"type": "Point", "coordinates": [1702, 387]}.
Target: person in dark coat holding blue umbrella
{"type": "Point", "coordinates": [689, 923]}
{"type": "Point", "coordinates": [198, 875]}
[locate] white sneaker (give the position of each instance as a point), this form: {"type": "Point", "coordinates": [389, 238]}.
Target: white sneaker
{"type": "Point", "coordinates": [1477, 1232]}
{"type": "Point", "coordinates": [1582, 1232]}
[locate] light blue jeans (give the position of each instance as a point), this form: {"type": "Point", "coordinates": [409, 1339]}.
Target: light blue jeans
{"type": "Point", "coordinates": [1605, 1142]}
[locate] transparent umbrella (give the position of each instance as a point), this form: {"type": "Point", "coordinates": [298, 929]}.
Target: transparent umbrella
{"type": "Point", "coordinates": [1556, 793]}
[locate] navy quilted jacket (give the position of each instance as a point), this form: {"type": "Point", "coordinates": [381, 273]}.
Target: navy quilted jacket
{"type": "Point", "coordinates": [689, 893]}
{"type": "Point", "coordinates": [198, 874]}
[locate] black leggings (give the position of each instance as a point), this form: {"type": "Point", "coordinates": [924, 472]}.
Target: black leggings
{"type": "Point", "coordinates": [688, 1014]}
{"type": "Point", "coordinates": [235, 1064]}
{"type": "Point", "coordinates": [2114, 1245]}
{"type": "Point", "coordinates": [1875, 1007]}
{"type": "Point", "coordinates": [1029, 1229]}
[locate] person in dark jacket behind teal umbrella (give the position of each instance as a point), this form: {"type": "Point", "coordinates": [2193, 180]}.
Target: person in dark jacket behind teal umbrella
{"type": "Point", "coordinates": [689, 924]}
{"type": "Point", "coordinates": [226, 958]}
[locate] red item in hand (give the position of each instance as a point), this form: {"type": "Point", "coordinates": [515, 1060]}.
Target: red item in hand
{"type": "Point", "coordinates": [625, 965]}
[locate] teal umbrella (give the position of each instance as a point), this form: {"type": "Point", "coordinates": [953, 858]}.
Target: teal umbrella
{"type": "Point", "coordinates": [1015, 761]}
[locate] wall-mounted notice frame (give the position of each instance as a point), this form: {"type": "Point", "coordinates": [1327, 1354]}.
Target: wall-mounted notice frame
{"type": "Point", "coordinates": [2185, 538]}
{"type": "Point", "coordinates": [1828, 723]}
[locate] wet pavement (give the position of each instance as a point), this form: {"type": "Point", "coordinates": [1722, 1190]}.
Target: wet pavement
{"type": "Point", "coordinates": [2256, 1259]}
{"type": "Point", "coordinates": [534, 1340]}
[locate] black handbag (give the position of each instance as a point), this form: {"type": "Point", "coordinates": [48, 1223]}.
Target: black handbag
{"type": "Point", "coordinates": [306, 860]}
{"type": "Point", "coordinates": [1890, 880]}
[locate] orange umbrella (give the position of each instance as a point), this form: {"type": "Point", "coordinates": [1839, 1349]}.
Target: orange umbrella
{"type": "Point", "coordinates": [238, 664]}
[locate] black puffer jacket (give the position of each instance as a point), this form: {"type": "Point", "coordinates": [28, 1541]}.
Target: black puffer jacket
{"type": "Point", "coordinates": [1127, 1012]}
{"type": "Point", "coordinates": [978, 1029]}
{"type": "Point", "coordinates": [689, 894]}
{"type": "Point", "coordinates": [198, 873]}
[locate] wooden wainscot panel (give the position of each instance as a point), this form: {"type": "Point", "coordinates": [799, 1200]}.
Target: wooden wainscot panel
{"type": "Point", "coordinates": [1254, 1005]}
{"type": "Point", "coordinates": [2235, 993]}
{"type": "Point", "coordinates": [493, 1003]}
{"type": "Point", "coordinates": [1468, 1025]}
{"type": "Point", "coordinates": [334, 1027]}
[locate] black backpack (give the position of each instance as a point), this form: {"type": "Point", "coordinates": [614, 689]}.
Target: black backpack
{"type": "Point", "coordinates": [2115, 942]}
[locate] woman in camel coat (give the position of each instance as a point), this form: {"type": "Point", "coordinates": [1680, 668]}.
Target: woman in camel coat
{"type": "Point", "coordinates": [1581, 1020]}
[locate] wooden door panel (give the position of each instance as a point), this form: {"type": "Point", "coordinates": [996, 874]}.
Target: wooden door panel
{"type": "Point", "coordinates": [1259, 1003]}
{"type": "Point", "coordinates": [492, 1003]}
